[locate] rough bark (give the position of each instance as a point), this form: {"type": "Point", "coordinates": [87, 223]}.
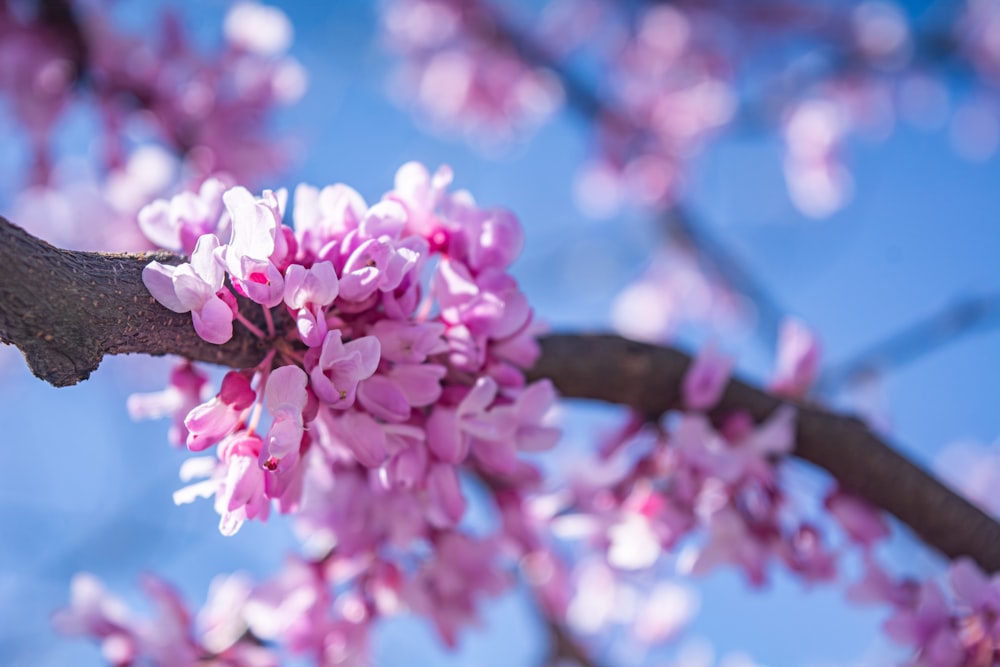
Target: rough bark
{"type": "Point", "coordinates": [65, 310]}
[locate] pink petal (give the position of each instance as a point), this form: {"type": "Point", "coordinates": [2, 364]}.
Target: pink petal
{"type": "Point", "coordinates": [443, 436]}
{"type": "Point", "coordinates": [369, 350]}
{"type": "Point", "coordinates": [214, 321]}
{"type": "Point", "coordinates": [363, 436]}
{"type": "Point", "coordinates": [159, 280]}
{"type": "Point", "coordinates": [286, 389]}
{"type": "Point", "coordinates": [444, 495]}
{"type": "Point", "coordinates": [420, 383]}
{"type": "Point", "coordinates": [706, 378]}
{"type": "Point", "coordinates": [253, 226]}
{"type": "Point", "coordinates": [383, 399]}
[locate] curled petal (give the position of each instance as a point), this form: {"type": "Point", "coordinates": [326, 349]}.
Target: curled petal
{"type": "Point", "coordinates": [706, 378]}
{"type": "Point", "coordinates": [159, 280]}
{"type": "Point", "coordinates": [214, 321]}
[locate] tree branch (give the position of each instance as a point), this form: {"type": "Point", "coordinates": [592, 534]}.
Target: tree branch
{"type": "Point", "coordinates": [915, 340]}
{"type": "Point", "coordinates": [65, 310]}
{"type": "Point", "coordinates": [648, 378]}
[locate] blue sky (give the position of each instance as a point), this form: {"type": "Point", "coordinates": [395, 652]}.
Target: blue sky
{"type": "Point", "coordinates": [87, 489]}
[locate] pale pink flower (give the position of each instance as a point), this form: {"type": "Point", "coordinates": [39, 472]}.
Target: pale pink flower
{"type": "Point", "coordinates": [195, 287]}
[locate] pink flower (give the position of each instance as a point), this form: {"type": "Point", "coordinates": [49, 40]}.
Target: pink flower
{"type": "Point", "coordinates": [375, 265]}
{"type": "Point", "coordinates": [324, 216]}
{"type": "Point", "coordinates": [195, 287]}
{"type": "Point", "coordinates": [863, 523]}
{"type": "Point", "coordinates": [409, 342]}
{"type": "Point", "coordinates": [255, 233]}
{"type": "Point", "coordinates": [240, 495]}
{"type": "Point", "coordinates": [445, 502]}
{"type": "Point", "coordinates": [449, 430]}
{"type": "Point", "coordinates": [342, 366]}
{"type": "Point", "coordinates": [420, 193]}
{"type": "Point", "coordinates": [179, 223]}
{"type": "Point", "coordinates": [286, 398]}
{"type": "Point", "coordinates": [449, 584]}
{"type": "Point", "coordinates": [706, 379]}
{"type": "Point", "coordinates": [209, 422]}
{"type": "Point", "coordinates": [798, 359]}
{"type": "Point", "coordinates": [308, 292]}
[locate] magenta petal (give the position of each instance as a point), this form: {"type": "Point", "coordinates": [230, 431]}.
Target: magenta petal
{"type": "Point", "coordinates": [706, 378]}
{"type": "Point", "coordinates": [480, 397]}
{"type": "Point", "coordinates": [420, 383]}
{"type": "Point", "coordinates": [369, 352]}
{"type": "Point", "coordinates": [286, 388]}
{"type": "Point", "coordinates": [214, 321]}
{"type": "Point", "coordinates": [444, 495]}
{"type": "Point", "coordinates": [535, 401]}
{"type": "Point", "coordinates": [244, 480]}
{"type": "Point", "coordinates": [236, 391]}
{"type": "Point", "coordinates": [499, 456]}
{"type": "Point", "coordinates": [311, 327]}
{"type": "Point", "coordinates": [363, 436]}
{"type": "Point", "coordinates": [383, 399]}
{"type": "Point", "coordinates": [443, 437]}
{"type": "Point", "coordinates": [285, 435]}
{"type": "Point", "coordinates": [159, 280]}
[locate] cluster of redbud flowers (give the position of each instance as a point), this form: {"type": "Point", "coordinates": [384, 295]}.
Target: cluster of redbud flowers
{"type": "Point", "coordinates": [380, 378]}
{"type": "Point", "coordinates": [396, 347]}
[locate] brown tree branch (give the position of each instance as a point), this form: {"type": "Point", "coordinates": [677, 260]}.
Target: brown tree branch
{"type": "Point", "coordinates": [648, 378]}
{"type": "Point", "coordinates": [65, 310]}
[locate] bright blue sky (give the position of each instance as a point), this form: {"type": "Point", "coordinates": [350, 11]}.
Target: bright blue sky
{"type": "Point", "coordinates": [87, 489]}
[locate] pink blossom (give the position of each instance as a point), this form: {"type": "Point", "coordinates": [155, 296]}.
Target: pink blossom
{"type": "Point", "coordinates": [308, 292]}
{"type": "Point", "coordinates": [409, 342]}
{"type": "Point", "coordinates": [286, 398]}
{"type": "Point", "coordinates": [195, 287]}
{"type": "Point", "coordinates": [177, 224]}
{"type": "Point", "coordinates": [240, 495]}
{"type": "Point", "coordinates": [706, 378]}
{"type": "Point", "coordinates": [421, 193]}
{"type": "Point", "coordinates": [376, 264]}
{"type": "Point", "coordinates": [324, 216]}
{"type": "Point", "coordinates": [447, 586]}
{"type": "Point", "coordinates": [342, 366]}
{"type": "Point", "coordinates": [255, 232]}
{"type": "Point", "coordinates": [446, 504]}
{"type": "Point", "coordinates": [798, 360]}
{"type": "Point", "coordinates": [209, 422]}
{"type": "Point", "coordinates": [863, 523]}
{"type": "Point", "coordinates": [449, 430]}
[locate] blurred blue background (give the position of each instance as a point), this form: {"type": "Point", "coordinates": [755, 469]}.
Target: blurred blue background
{"type": "Point", "coordinates": [87, 489]}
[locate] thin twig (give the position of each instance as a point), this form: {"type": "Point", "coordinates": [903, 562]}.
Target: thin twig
{"type": "Point", "coordinates": [915, 341]}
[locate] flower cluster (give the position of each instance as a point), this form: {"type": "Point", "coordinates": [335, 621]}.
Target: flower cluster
{"type": "Point", "coordinates": [370, 375]}
{"type": "Point", "coordinates": [462, 78]}
{"type": "Point", "coordinates": [172, 637]}
{"type": "Point", "coordinates": [692, 472]}
{"type": "Point", "coordinates": [397, 346]}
